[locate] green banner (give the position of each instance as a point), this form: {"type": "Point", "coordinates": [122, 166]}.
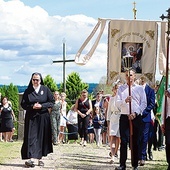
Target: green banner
{"type": "Point", "coordinates": [160, 98]}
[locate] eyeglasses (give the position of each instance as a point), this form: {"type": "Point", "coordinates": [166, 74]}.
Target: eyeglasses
{"type": "Point", "coordinates": [36, 79]}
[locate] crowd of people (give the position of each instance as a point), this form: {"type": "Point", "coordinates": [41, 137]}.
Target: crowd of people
{"type": "Point", "coordinates": [124, 119]}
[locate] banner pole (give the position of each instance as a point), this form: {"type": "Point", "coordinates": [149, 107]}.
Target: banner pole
{"type": "Point", "coordinates": [167, 59]}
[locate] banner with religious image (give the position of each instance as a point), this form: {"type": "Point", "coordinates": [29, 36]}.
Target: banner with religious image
{"type": "Point", "coordinates": [132, 42]}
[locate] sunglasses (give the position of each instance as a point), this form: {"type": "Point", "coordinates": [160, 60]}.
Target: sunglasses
{"type": "Point", "coordinates": [36, 79]}
{"type": "Point", "coordinates": [128, 75]}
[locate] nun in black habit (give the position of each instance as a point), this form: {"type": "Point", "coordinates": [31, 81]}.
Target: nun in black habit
{"type": "Point", "coordinates": [37, 101]}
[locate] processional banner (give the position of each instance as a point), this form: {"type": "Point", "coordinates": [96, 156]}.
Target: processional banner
{"type": "Point", "coordinates": [163, 49]}
{"type": "Point", "coordinates": [137, 39]}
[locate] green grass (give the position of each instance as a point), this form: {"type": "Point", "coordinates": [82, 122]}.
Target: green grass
{"type": "Point", "coordinates": [9, 150]}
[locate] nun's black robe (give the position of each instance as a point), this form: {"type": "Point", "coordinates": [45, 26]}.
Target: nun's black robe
{"type": "Point", "coordinates": [37, 128]}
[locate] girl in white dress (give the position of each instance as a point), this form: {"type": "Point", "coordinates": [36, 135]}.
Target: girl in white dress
{"type": "Point", "coordinates": [113, 123]}
{"type": "Point", "coordinates": [62, 117]}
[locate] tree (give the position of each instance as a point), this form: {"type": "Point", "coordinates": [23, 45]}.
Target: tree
{"type": "Point", "coordinates": [12, 94]}
{"type": "Point", "coordinates": [3, 90]}
{"type": "Point", "coordinates": [103, 85]}
{"type": "Point", "coordinates": [50, 83]}
{"type": "Point", "coordinates": [74, 86]}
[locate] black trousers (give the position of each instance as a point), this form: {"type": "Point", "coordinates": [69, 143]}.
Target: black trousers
{"type": "Point", "coordinates": [157, 142]}
{"type": "Point", "coordinates": [167, 139]}
{"type": "Point", "coordinates": [125, 136]}
{"type": "Point", "coordinates": [150, 138]}
{"type": "Point", "coordinates": [83, 127]}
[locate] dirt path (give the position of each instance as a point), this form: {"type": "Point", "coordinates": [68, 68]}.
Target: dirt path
{"type": "Point", "coordinates": [74, 156]}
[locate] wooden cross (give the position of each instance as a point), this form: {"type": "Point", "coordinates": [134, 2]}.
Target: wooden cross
{"type": "Point", "coordinates": [64, 61]}
{"type": "Point", "coordinates": [134, 9]}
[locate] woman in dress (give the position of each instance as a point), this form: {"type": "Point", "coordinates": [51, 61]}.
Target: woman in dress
{"type": "Point", "coordinates": [55, 118]}
{"type": "Point", "coordinates": [113, 122]}
{"type": "Point", "coordinates": [7, 116]}
{"type": "Point", "coordinates": [62, 118]}
{"type": "Point", "coordinates": [37, 101]}
{"type": "Point", "coordinates": [83, 107]}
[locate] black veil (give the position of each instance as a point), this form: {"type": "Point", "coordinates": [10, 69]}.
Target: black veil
{"type": "Point", "coordinates": [36, 73]}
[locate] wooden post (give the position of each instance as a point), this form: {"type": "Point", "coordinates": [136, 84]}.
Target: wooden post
{"type": "Point", "coordinates": [167, 59]}
{"type": "Point", "coordinates": [130, 122]}
{"type": "Point", "coordinates": [128, 65]}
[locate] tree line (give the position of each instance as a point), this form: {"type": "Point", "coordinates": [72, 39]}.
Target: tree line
{"type": "Point", "coordinates": [74, 85]}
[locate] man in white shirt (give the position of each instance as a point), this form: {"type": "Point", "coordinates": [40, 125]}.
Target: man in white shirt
{"type": "Point", "coordinates": [138, 103]}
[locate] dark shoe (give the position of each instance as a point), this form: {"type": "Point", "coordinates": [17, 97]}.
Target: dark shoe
{"type": "Point", "coordinates": [163, 146]}
{"type": "Point", "coordinates": [120, 168]}
{"type": "Point", "coordinates": [160, 148]}
{"type": "Point", "coordinates": [168, 167]}
{"type": "Point", "coordinates": [116, 155]}
{"type": "Point", "coordinates": [55, 143]}
{"type": "Point", "coordinates": [150, 156]}
{"type": "Point", "coordinates": [110, 154]}
{"type": "Point", "coordinates": [154, 149]}
{"type": "Point", "coordinates": [142, 163]}
{"type": "Point", "coordinates": [135, 168]}
{"type": "Point", "coordinates": [29, 164]}
{"type": "Point", "coordinates": [40, 163]}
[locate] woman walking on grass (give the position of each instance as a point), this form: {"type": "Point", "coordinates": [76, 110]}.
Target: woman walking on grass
{"type": "Point", "coordinates": [37, 101]}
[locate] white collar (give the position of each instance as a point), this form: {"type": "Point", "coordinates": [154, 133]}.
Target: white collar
{"type": "Point", "coordinates": [37, 88]}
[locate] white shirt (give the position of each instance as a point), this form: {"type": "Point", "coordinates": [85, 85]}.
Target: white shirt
{"type": "Point", "coordinates": [167, 108]}
{"type": "Point", "coordinates": [72, 117]}
{"type": "Point", "coordinates": [37, 88]}
{"type": "Point", "coordinates": [138, 103]}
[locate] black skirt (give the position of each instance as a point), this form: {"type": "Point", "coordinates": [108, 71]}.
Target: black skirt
{"type": "Point", "coordinates": [72, 131]}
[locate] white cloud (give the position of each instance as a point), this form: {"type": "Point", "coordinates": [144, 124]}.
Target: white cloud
{"type": "Point", "coordinates": [30, 39]}
{"type": "Point", "coordinates": [5, 77]}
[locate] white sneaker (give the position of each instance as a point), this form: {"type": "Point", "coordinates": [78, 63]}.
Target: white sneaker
{"type": "Point", "coordinates": [85, 143]}
{"type": "Point", "coordinates": [112, 160]}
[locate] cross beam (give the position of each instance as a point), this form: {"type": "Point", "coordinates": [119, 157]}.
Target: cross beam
{"type": "Point", "coordinates": [168, 18]}
{"type": "Point", "coordinates": [64, 61]}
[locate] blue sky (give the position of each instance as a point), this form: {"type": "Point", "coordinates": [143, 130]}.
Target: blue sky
{"type": "Point", "coordinates": [146, 9]}
{"type": "Point", "coordinates": [32, 31]}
